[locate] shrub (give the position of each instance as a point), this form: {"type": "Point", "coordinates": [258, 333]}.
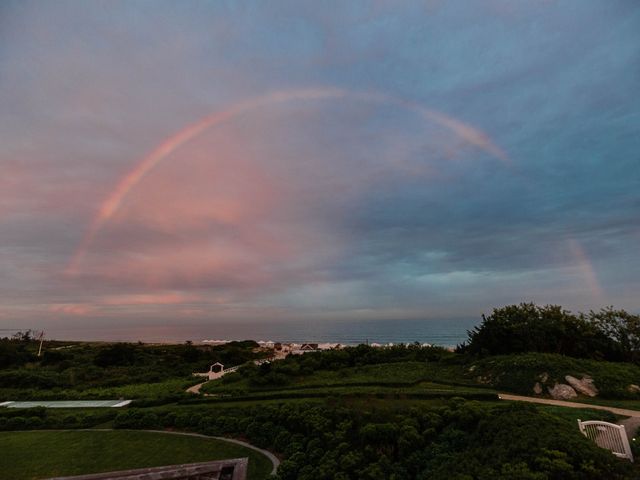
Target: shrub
{"type": "Point", "coordinates": [137, 419]}
{"type": "Point", "coordinates": [518, 373]}
{"type": "Point", "coordinates": [522, 441]}
{"type": "Point", "coordinates": [70, 421]}
{"type": "Point", "coordinates": [530, 328]}
{"type": "Point", "coordinates": [117, 354]}
{"type": "Point", "coordinates": [621, 327]}
{"type": "Point", "coordinates": [16, 423]}
{"type": "Point", "coordinates": [34, 423]}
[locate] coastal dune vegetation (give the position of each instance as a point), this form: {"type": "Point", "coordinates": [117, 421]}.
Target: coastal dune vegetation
{"type": "Point", "coordinates": [92, 370]}
{"type": "Point", "coordinates": [362, 412]}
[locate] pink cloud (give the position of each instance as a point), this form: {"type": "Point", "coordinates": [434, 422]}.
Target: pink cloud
{"type": "Point", "coordinates": [71, 309]}
{"type": "Point", "coordinates": [170, 298]}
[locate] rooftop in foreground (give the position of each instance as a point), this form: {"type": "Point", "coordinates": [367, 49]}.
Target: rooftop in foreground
{"type": "Point", "coordinates": [233, 469]}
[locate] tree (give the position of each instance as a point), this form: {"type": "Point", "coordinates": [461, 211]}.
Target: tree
{"type": "Point", "coordinates": [530, 328]}
{"type": "Point", "coordinates": [621, 327]}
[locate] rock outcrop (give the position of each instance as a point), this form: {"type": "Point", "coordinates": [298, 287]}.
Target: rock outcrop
{"type": "Point", "coordinates": [584, 386]}
{"type": "Point", "coordinates": [560, 391]}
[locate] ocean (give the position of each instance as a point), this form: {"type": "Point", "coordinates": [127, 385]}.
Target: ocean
{"type": "Point", "coordinates": [436, 332]}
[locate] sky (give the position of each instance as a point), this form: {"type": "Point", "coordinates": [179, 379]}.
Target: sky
{"type": "Point", "coordinates": [181, 164]}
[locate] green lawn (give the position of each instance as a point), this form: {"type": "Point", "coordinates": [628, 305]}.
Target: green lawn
{"type": "Point", "coordinates": [35, 455]}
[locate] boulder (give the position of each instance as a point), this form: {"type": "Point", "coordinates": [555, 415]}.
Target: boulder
{"type": "Point", "coordinates": [633, 388]}
{"type": "Point", "coordinates": [560, 391]}
{"type": "Point", "coordinates": [537, 388]}
{"type": "Point", "coordinates": [584, 386]}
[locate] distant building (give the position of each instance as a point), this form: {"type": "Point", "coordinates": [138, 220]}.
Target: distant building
{"type": "Point", "coordinates": [304, 348]}
{"type": "Point", "coordinates": [234, 469]}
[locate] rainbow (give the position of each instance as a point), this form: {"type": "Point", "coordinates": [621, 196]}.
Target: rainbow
{"type": "Point", "coordinates": [586, 268]}
{"type": "Point", "coordinates": [114, 200]}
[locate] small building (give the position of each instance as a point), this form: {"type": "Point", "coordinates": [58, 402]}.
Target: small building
{"type": "Point", "coordinates": [215, 371]}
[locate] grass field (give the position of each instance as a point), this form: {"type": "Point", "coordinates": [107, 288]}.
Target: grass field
{"type": "Point", "coordinates": [416, 392]}
{"type": "Point", "coordinates": [402, 374]}
{"type": "Point", "coordinates": [36, 455]}
{"type": "Point", "coordinates": [403, 380]}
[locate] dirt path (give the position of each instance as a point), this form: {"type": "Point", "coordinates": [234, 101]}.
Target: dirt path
{"type": "Point", "coordinates": [561, 403]}
{"type": "Point", "coordinates": [631, 426]}
{"type": "Point", "coordinates": [196, 388]}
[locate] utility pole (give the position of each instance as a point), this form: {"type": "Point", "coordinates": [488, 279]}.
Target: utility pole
{"type": "Point", "coordinates": [41, 338]}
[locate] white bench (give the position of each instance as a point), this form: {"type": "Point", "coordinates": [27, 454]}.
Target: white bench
{"type": "Point", "coordinates": [608, 435]}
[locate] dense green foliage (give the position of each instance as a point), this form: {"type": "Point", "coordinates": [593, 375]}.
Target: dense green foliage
{"type": "Point", "coordinates": [72, 453]}
{"type": "Point", "coordinates": [522, 443]}
{"type": "Point", "coordinates": [295, 367]}
{"type": "Point", "coordinates": [400, 365]}
{"type": "Point", "coordinates": [15, 351]}
{"type": "Point", "coordinates": [73, 370]}
{"type": "Point", "coordinates": [358, 412]}
{"type": "Point", "coordinates": [342, 439]}
{"type": "Point", "coordinates": [389, 380]}
{"type": "Point", "coordinates": [609, 334]}
{"type": "Point", "coordinates": [338, 441]}
{"type": "Point", "coordinates": [623, 328]}
{"type": "Point", "coordinates": [518, 373]}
